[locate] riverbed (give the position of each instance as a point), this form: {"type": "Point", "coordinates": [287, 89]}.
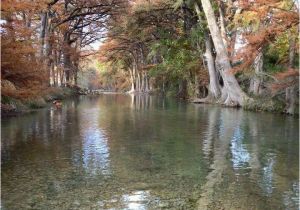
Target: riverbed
{"type": "Point", "coordinates": [148, 152]}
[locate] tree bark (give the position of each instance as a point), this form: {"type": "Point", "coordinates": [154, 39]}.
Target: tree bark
{"type": "Point", "coordinates": [214, 86]}
{"type": "Point", "coordinates": [138, 85]}
{"type": "Point", "coordinates": [44, 21]}
{"type": "Point", "coordinates": [132, 81]}
{"type": "Point", "coordinates": [67, 58]}
{"type": "Point", "coordinates": [232, 94]}
{"type": "Point", "coordinates": [290, 98]}
{"type": "Point", "coordinates": [223, 28]}
{"type": "Point", "coordinates": [256, 81]}
{"type": "Point", "coordinates": [146, 82]}
{"type": "Point", "coordinates": [290, 92]}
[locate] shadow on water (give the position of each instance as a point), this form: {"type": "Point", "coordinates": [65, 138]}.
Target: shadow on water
{"type": "Point", "coordinates": [141, 152]}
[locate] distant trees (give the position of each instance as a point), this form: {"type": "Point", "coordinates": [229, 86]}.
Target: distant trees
{"type": "Point", "coordinates": [151, 39]}
{"type": "Point", "coordinates": [43, 41]}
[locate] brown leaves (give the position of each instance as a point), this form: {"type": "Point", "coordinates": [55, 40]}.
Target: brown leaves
{"type": "Point", "coordinates": [276, 18]}
{"type": "Point", "coordinates": [286, 79]}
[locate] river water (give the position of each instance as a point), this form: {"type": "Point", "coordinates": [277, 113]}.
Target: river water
{"type": "Point", "coordinates": [141, 152]}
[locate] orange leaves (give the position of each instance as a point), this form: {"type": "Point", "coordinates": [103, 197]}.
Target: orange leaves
{"type": "Point", "coordinates": [19, 46]}
{"type": "Point", "coordinates": [10, 6]}
{"type": "Point", "coordinates": [286, 79]}
{"type": "Point", "coordinates": [276, 17]}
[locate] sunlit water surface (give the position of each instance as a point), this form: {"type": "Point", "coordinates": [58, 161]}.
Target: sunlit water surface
{"type": "Point", "coordinates": [125, 152]}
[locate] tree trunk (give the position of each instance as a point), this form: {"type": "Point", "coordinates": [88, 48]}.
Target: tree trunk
{"type": "Point", "coordinates": [67, 59]}
{"type": "Point", "coordinates": [232, 94]}
{"type": "Point", "coordinates": [163, 84]}
{"type": "Point", "coordinates": [138, 86]}
{"type": "Point", "coordinates": [290, 98]}
{"type": "Point", "coordinates": [143, 82]}
{"type": "Point", "coordinates": [182, 90]}
{"type": "Point", "coordinates": [57, 57]}
{"type": "Point", "coordinates": [223, 28]}
{"type": "Point", "coordinates": [146, 82]}
{"type": "Point", "coordinates": [290, 92]}
{"type": "Point", "coordinates": [132, 81]}
{"type": "Point", "coordinates": [49, 49]}
{"type": "Point", "coordinates": [44, 21]}
{"type": "Point", "coordinates": [256, 81]}
{"type": "Point", "coordinates": [53, 74]}
{"type": "Point", "coordinates": [214, 86]}
{"type": "Point", "coordinates": [197, 86]}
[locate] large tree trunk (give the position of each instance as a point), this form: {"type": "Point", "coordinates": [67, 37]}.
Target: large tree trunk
{"type": "Point", "coordinates": [256, 81]}
{"type": "Point", "coordinates": [232, 94]}
{"type": "Point", "coordinates": [223, 28]}
{"type": "Point", "coordinates": [214, 86]}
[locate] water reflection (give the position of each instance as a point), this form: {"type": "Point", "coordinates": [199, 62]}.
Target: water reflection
{"type": "Point", "coordinates": [267, 178]}
{"type": "Point", "coordinates": [136, 200]}
{"type": "Point", "coordinates": [240, 155]}
{"type": "Point", "coordinates": [256, 173]}
{"type": "Point", "coordinates": [141, 152]}
{"type": "Point", "coordinates": [95, 150]}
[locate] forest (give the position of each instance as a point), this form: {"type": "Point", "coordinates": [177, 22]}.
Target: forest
{"type": "Point", "coordinates": [234, 53]}
{"type": "Point", "coordinates": [150, 104]}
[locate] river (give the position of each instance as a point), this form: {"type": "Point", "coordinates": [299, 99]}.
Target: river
{"type": "Point", "coordinates": [146, 152]}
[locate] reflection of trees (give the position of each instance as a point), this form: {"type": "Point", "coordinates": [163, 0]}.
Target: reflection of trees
{"type": "Point", "coordinates": [228, 121]}
{"type": "Point", "coordinates": [95, 151]}
{"type": "Point", "coordinates": [152, 143]}
{"type": "Point", "coordinates": [211, 133]}
{"type": "Point", "coordinates": [258, 153]}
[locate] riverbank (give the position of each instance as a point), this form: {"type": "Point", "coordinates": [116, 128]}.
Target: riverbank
{"type": "Point", "coordinates": [260, 104]}
{"type": "Point", "coordinates": [11, 106]}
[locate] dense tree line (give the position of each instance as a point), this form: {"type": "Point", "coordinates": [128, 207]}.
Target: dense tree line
{"type": "Point", "coordinates": [44, 41]}
{"type": "Point", "coordinates": [233, 52]}
{"type": "Point", "coordinates": [230, 52]}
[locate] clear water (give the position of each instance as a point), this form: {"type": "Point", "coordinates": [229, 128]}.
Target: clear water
{"type": "Point", "coordinates": [126, 152]}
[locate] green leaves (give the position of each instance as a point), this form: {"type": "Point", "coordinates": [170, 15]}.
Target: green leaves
{"type": "Point", "coordinates": [178, 57]}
